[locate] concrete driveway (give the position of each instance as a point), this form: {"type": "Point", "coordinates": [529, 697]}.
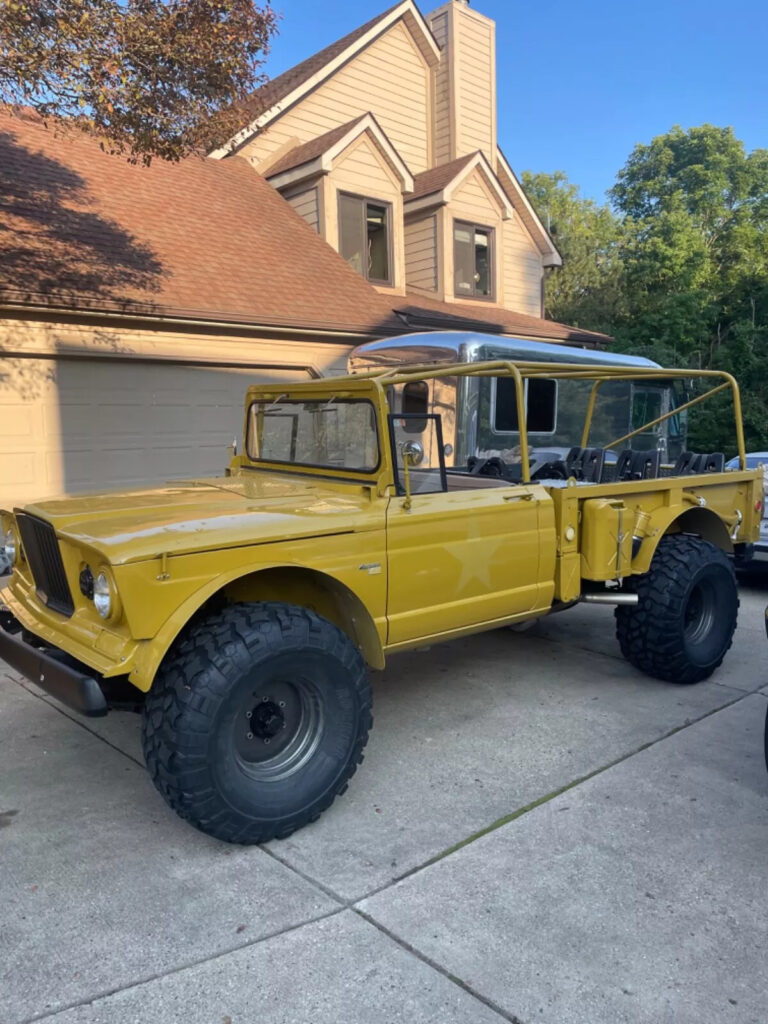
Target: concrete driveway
{"type": "Point", "coordinates": [538, 834]}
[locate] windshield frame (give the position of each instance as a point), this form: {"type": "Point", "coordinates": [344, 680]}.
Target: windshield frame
{"type": "Point", "coordinates": [304, 400]}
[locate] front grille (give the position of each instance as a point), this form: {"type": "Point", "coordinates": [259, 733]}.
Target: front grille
{"type": "Point", "coordinates": [41, 549]}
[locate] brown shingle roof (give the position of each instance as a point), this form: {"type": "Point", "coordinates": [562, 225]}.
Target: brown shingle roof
{"type": "Point", "coordinates": [310, 150]}
{"type": "Point", "coordinates": [436, 178]}
{"type": "Point", "coordinates": [206, 239]}
{"type": "Point", "coordinates": [277, 89]}
{"type": "Point", "coordinates": [422, 312]}
{"type": "Point", "coordinates": [210, 238]}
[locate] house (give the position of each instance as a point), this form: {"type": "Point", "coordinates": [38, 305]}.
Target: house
{"type": "Point", "coordinates": [366, 197]}
{"type": "Point", "coordinates": [385, 142]}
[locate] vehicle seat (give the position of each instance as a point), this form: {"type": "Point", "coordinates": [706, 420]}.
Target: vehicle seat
{"type": "Point", "coordinates": [633, 465]}
{"type": "Point", "coordinates": [692, 462]}
{"type": "Point", "coordinates": [585, 463]}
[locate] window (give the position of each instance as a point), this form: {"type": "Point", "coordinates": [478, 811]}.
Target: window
{"type": "Point", "coordinates": [337, 433]}
{"type": "Point", "coordinates": [540, 403]}
{"type": "Point", "coordinates": [472, 261]}
{"type": "Point", "coordinates": [365, 237]}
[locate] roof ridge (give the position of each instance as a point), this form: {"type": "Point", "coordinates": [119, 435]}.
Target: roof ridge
{"type": "Point", "coordinates": [265, 97]}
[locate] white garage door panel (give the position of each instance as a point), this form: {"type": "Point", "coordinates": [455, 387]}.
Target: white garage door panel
{"type": "Point", "coordinates": [84, 424]}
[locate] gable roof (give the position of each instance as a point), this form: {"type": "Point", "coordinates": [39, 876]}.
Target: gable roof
{"type": "Point", "coordinates": [523, 207]}
{"type": "Point", "coordinates": [275, 96]}
{"type": "Point", "coordinates": [438, 184]}
{"type": "Point", "coordinates": [317, 155]}
{"type": "Point", "coordinates": [437, 178]}
{"type": "Point", "coordinates": [202, 239]}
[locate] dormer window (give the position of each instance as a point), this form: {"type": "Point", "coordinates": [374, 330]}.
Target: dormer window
{"type": "Point", "coordinates": [472, 261]}
{"type": "Point", "coordinates": [365, 237]}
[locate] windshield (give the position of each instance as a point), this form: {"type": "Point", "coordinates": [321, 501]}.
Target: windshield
{"type": "Point", "coordinates": [326, 433]}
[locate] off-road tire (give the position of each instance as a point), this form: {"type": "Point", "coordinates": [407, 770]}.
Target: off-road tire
{"type": "Point", "coordinates": [228, 673]}
{"type": "Point", "coordinates": [683, 623]}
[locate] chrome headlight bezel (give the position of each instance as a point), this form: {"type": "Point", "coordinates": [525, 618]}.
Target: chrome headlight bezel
{"type": "Point", "coordinates": [106, 599]}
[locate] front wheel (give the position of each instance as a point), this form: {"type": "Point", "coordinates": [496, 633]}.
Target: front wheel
{"type": "Point", "coordinates": [684, 621]}
{"type": "Point", "coordinates": [257, 721]}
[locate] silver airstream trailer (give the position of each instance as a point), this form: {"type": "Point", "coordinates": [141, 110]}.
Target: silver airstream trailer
{"type": "Point", "coordinates": [479, 414]}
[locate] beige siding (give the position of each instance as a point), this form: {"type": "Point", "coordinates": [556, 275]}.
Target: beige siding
{"type": "Point", "coordinates": [390, 78]}
{"type": "Point", "coordinates": [473, 202]}
{"type": "Point", "coordinates": [421, 254]}
{"type": "Point", "coordinates": [474, 60]}
{"type": "Point", "coordinates": [91, 421]}
{"type": "Point", "coordinates": [363, 171]}
{"type": "Point", "coordinates": [306, 204]}
{"type": "Point", "coordinates": [522, 270]}
{"type": "Point", "coordinates": [442, 90]}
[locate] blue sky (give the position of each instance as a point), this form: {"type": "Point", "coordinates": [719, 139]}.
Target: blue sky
{"type": "Point", "coordinates": [580, 83]}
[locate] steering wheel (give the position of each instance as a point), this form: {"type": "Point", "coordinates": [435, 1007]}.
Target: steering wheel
{"type": "Point", "coordinates": [486, 467]}
{"type": "Point", "coordinates": [554, 470]}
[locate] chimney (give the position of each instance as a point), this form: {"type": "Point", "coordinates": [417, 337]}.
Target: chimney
{"type": "Point", "coordinates": [465, 82]}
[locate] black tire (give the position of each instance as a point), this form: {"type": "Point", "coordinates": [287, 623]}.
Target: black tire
{"type": "Point", "coordinates": [257, 721]}
{"type": "Point", "coordinates": [685, 618]}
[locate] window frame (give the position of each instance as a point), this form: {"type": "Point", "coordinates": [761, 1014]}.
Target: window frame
{"type": "Point", "coordinates": [491, 232]}
{"type": "Point", "coordinates": [298, 466]}
{"type": "Point", "coordinates": [389, 281]}
{"type": "Point", "coordinates": [510, 433]}
{"type": "Point", "coordinates": [399, 484]}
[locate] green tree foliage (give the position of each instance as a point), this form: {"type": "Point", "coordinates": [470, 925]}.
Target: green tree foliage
{"type": "Point", "coordinates": [586, 289]}
{"type": "Point", "coordinates": [685, 280]}
{"type": "Point", "coordinates": [150, 78]}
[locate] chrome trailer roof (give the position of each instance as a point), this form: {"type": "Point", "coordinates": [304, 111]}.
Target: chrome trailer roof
{"type": "Point", "coordinates": [472, 347]}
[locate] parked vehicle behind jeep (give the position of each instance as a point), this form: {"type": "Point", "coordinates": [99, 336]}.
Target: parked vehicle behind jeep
{"type": "Point", "coordinates": [242, 611]}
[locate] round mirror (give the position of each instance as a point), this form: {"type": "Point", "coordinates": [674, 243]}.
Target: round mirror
{"type": "Point", "coordinates": [413, 452]}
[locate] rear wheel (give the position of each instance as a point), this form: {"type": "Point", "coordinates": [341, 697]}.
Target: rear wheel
{"type": "Point", "coordinates": [257, 721]}
{"type": "Point", "coordinates": [685, 617]}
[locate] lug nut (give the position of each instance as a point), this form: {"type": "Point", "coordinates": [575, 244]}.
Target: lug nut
{"type": "Point", "coordinates": [282, 703]}
{"type": "Point", "coordinates": [249, 714]}
{"type": "Point", "coordinates": [266, 740]}
{"type": "Point", "coordinates": [249, 736]}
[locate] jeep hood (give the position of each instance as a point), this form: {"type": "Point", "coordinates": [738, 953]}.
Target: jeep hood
{"type": "Point", "coordinates": [199, 515]}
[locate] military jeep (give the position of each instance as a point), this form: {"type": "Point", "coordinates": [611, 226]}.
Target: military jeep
{"type": "Point", "coordinates": [241, 612]}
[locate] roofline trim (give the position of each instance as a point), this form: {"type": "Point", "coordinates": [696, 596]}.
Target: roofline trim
{"type": "Point", "coordinates": [386, 21]}
{"type": "Point", "coordinates": [445, 194]}
{"type": "Point", "coordinates": [552, 257]}
{"type": "Point", "coordinates": [181, 316]}
{"type": "Point", "coordinates": [323, 164]}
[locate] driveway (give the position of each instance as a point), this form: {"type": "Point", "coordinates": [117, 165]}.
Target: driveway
{"type": "Point", "coordinates": [538, 833]}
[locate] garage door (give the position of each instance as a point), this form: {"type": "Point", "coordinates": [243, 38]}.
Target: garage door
{"type": "Point", "coordinates": [70, 426]}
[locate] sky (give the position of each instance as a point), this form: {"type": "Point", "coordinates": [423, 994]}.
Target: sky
{"type": "Point", "coordinates": [581, 83]}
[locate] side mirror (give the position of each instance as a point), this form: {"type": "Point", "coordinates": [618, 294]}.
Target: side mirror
{"type": "Point", "coordinates": [413, 453]}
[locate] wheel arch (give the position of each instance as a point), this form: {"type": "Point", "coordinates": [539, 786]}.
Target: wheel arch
{"type": "Point", "coordinates": [297, 585]}
{"type": "Point", "coordinates": [702, 522]}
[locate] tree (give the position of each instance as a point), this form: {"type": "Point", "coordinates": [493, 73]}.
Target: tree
{"type": "Point", "coordinates": [150, 78]}
{"type": "Point", "coordinates": [678, 270]}
{"type": "Point", "coordinates": [586, 290]}
{"type": "Point", "coordinates": [694, 209]}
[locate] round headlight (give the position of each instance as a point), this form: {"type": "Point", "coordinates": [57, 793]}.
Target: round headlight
{"type": "Point", "coordinates": [10, 546]}
{"type": "Point", "coordinates": [102, 595]}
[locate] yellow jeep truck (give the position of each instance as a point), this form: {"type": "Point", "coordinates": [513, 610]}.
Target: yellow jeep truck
{"type": "Point", "coordinates": [241, 611]}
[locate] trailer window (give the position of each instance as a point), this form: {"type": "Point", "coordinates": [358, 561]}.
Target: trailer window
{"type": "Point", "coordinates": [540, 403]}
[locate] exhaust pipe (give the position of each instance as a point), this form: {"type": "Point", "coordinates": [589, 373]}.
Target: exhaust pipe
{"type": "Point", "coordinates": [609, 598]}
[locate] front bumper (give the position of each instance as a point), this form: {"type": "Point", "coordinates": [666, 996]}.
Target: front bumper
{"type": "Point", "coordinates": [69, 685]}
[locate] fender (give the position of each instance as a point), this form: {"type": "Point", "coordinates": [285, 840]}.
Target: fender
{"type": "Point", "coordinates": [293, 584]}
{"type": "Point", "coordinates": [702, 521]}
